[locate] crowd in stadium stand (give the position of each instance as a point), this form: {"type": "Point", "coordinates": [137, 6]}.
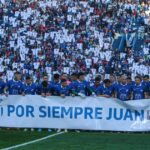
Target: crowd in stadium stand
{"type": "Point", "coordinates": [74, 47]}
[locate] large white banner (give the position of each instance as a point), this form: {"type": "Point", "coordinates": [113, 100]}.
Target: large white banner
{"type": "Point", "coordinates": [75, 113]}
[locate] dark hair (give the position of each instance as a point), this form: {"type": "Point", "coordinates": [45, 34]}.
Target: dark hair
{"type": "Point", "coordinates": [63, 73]}
{"type": "Point", "coordinates": [44, 84]}
{"type": "Point", "coordinates": [56, 76]}
{"type": "Point", "coordinates": [45, 75]}
{"type": "Point", "coordinates": [118, 75]}
{"type": "Point", "coordinates": [129, 78]}
{"type": "Point", "coordinates": [112, 75]}
{"type": "Point", "coordinates": [98, 78]}
{"type": "Point", "coordinates": [28, 78]}
{"type": "Point", "coordinates": [63, 80]}
{"type": "Point", "coordinates": [106, 81]}
{"type": "Point", "coordinates": [81, 74]}
{"type": "Point", "coordinates": [17, 72]}
{"type": "Point", "coordinates": [74, 74]}
{"type": "Point", "coordinates": [138, 77]}
{"type": "Point", "coordinates": [146, 76]}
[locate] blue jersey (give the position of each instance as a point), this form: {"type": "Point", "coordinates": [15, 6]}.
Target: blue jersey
{"type": "Point", "coordinates": [29, 89]}
{"type": "Point", "coordinates": [114, 86]}
{"type": "Point", "coordinates": [14, 87]}
{"type": "Point", "coordinates": [55, 84]}
{"type": "Point", "coordinates": [96, 89]}
{"type": "Point", "coordinates": [74, 85]}
{"type": "Point", "coordinates": [148, 88]}
{"type": "Point", "coordinates": [84, 88]}
{"type": "Point", "coordinates": [123, 91]}
{"type": "Point", "coordinates": [54, 87]}
{"type": "Point", "coordinates": [145, 84]}
{"type": "Point", "coordinates": [132, 83]}
{"type": "Point", "coordinates": [138, 91]}
{"type": "Point", "coordinates": [45, 90]}
{"type": "Point", "coordinates": [2, 86]}
{"type": "Point", "coordinates": [106, 90]}
{"type": "Point", "coordinates": [64, 90]}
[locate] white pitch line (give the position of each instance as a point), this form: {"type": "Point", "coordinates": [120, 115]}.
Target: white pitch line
{"type": "Point", "coordinates": [34, 141]}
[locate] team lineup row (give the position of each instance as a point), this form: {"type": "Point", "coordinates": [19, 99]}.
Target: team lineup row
{"type": "Point", "coordinates": [123, 88]}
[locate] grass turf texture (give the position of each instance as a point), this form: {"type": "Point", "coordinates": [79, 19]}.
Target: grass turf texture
{"type": "Point", "coordinates": [12, 137]}
{"type": "Point", "coordinates": [77, 141]}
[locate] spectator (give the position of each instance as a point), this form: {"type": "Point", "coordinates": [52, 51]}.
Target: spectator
{"type": "Point", "coordinates": [74, 83]}
{"type": "Point", "coordinates": [123, 90]}
{"type": "Point", "coordinates": [14, 87]}
{"type": "Point", "coordinates": [59, 38]}
{"type": "Point", "coordinates": [29, 88]}
{"type": "Point", "coordinates": [45, 89]}
{"type": "Point", "coordinates": [64, 89]}
{"type": "Point", "coordinates": [97, 85]}
{"type": "Point", "coordinates": [139, 91]}
{"type": "Point", "coordinates": [83, 88]}
{"type": "Point", "coordinates": [106, 90]}
{"type": "Point", "coordinates": [77, 36]}
{"type": "Point", "coordinates": [2, 85]}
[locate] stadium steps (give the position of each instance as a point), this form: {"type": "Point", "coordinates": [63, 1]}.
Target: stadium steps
{"type": "Point", "coordinates": [116, 43]}
{"type": "Point", "coordinates": [122, 43]}
{"type": "Point", "coordinates": [138, 43]}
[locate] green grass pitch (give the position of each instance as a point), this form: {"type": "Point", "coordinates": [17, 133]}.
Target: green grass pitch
{"type": "Point", "coordinates": [76, 141]}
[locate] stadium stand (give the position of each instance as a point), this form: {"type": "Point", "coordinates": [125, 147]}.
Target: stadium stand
{"type": "Point", "coordinates": [63, 37]}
